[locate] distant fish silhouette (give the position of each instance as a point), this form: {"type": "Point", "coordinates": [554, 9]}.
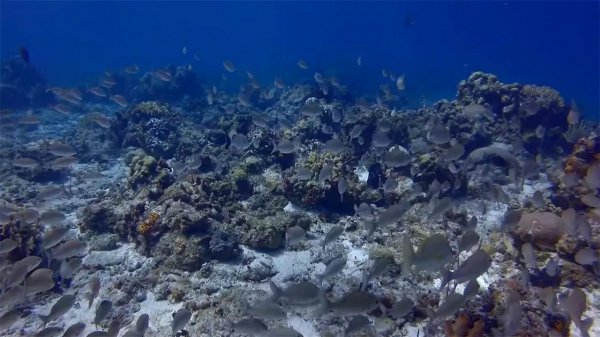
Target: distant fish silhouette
{"type": "Point", "coordinates": [24, 53]}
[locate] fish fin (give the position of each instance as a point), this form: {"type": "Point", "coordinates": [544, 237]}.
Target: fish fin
{"type": "Point", "coordinates": [446, 277]}
{"type": "Point", "coordinates": [585, 325]}
{"type": "Point", "coordinates": [364, 282]}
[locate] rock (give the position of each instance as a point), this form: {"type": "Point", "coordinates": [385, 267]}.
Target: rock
{"type": "Point", "coordinates": [100, 259]}
{"type": "Point", "coordinates": [544, 229]}
{"type": "Point", "coordinates": [223, 246]}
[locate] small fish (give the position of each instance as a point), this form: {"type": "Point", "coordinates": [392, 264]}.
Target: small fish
{"type": "Point", "coordinates": [552, 267]}
{"type": "Point", "coordinates": [101, 120]}
{"type": "Point", "coordinates": [471, 289]}
{"type": "Point", "coordinates": [357, 324]}
{"type": "Point", "coordinates": [180, 319]}
{"type": "Point", "coordinates": [249, 326]}
{"type": "Point", "coordinates": [7, 246]}
{"type": "Point", "coordinates": [402, 308]}
{"type": "Point", "coordinates": [468, 240]}
{"type": "Point", "coordinates": [439, 134]}
{"type": "Point", "coordinates": [319, 78]}
{"type": "Point", "coordinates": [24, 162]}
{"type": "Point", "coordinates": [540, 132]}
{"type": "Point", "coordinates": [62, 163]}
{"type": "Point", "coordinates": [293, 235]}
{"type": "Point", "coordinates": [333, 233]}
{"type": "Point", "coordinates": [282, 332]}
{"type": "Point", "coordinates": [303, 293]}
{"type": "Point", "coordinates": [142, 323]}
{"type": "Point", "coordinates": [267, 309]}
{"type": "Point", "coordinates": [61, 307]}
{"type": "Point", "coordinates": [574, 116]}
{"type": "Point", "coordinates": [396, 156]}
{"type": "Point", "coordinates": [302, 64]}
{"type": "Point", "coordinates": [184, 50]}
{"type": "Point", "coordinates": [333, 268]}
{"type": "Point", "coordinates": [342, 186]}
{"type": "Point", "coordinates": [75, 330]}
{"type": "Point", "coordinates": [94, 286]}
{"type": "Point", "coordinates": [379, 266]}
{"type": "Point", "coordinates": [228, 65]}
{"type": "Point", "coordinates": [279, 84]}
{"type": "Point", "coordinates": [390, 216]}
{"type": "Point", "coordinates": [302, 173]}
{"type": "Point", "coordinates": [163, 75]}
{"type": "Point", "coordinates": [529, 255]}
{"type": "Point", "coordinates": [52, 217]}
{"type": "Point", "coordinates": [356, 130]}
{"type": "Point", "coordinates": [359, 61]}
{"type": "Point", "coordinates": [363, 210]}
{"type": "Point", "coordinates": [586, 256]}
{"type": "Point", "coordinates": [285, 146]}
{"type": "Point", "coordinates": [400, 83]}
{"type": "Point", "coordinates": [98, 91]}
{"type": "Point", "coordinates": [473, 267]}
{"type": "Point", "coordinates": [433, 253]}
{"type": "Point", "coordinates": [51, 331]}
{"type": "Point", "coordinates": [9, 318]}
{"type": "Point", "coordinates": [39, 281]}
{"type": "Point", "coordinates": [102, 311]}
{"type": "Point", "coordinates": [70, 267]}
{"type": "Point", "coordinates": [325, 173]}
{"type": "Point", "coordinates": [334, 146]}
{"type": "Point", "coordinates": [239, 142]}
{"type": "Point", "coordinates": [68, 249]}
{"type": "Point", "coordinates": [132, 69]}
{"type": "Point", "coordinates": [353, 303]}
{"type": "Point", "coordinates": [451, 303]}
{"type": "Point", "coordinates": [538, 199]}
{"type": "Point", "coordinates": [390, 185]}
{"type": "Point", "coordinates": [380, 139]}
{"type": "Point", "coordinates": [61, 150]}
{"type": "Point", "coordinates": [120, 100]}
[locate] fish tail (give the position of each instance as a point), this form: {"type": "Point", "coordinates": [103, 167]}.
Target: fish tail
{"type": "Point", "coordinates": [44, 318]}
{"type": "Point", "coordinates": [275, 290]}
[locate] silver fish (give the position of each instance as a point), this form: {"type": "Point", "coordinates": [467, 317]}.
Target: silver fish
{"type": "Point", "coordinates": [142, 323]}
{"type": "Point", "coordinates": [325, 172]}
{"type": "Point", "coordinates": [342, 186]}
{"type": "Point", "coordinates": [294, 235]}
{"type": "Point", "coordinates": [451, 303]}
{"type": "Point", "coordinates": [54, 236]}
{"type": "Point", "coordinates": [267, 309]}
{"type": "Point", "coordinates": [333, 267]}
{"type": "Point", "coordinates": [473, 267]}
{"type": "Point", "coordinates": [333, 233]}
{"type": "Point", "coordinates": [357, 323]}
{"type": "Point", "coordinates": [282, 332]}
{"type": "Point", "coordinates": [468, 240]}
{"type": "Point", "coordinates": [334, 146]}
{"type": "Point", "coordinates": [7, 245]}
{"type": "Point", "coordinates": [352, 303]}
{"type": "Point", "coordinates": [39, 281]}
{"type": "Point", "coordinates": [102, 311]}
{"type": "Point", "coordinates": [68, 249]}
{"type": "Point", "coordinates": [70, 267]}
{"type": "Point", "coordinates": [379, 266]}
{"type": "Point", "coordinates": [51, 331]}
{"type": "Point", "coordinates": [249, 326]}
{"type": "Point", "coordinates": [59, 308]}
{"type": "Point", "coordinates": [303, 293]}
{"type": "Point", "coordinates": [9, 318]}
{"type": "Point", "coordinates": [75, 330]}
{"type": "Point", "coordinates": [94, 290]}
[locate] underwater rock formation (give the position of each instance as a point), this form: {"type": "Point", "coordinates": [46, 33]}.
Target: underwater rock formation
{"type": "Point", "coordinates": [22, 85]}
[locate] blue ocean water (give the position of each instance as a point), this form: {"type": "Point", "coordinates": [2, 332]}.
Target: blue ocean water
{"type": "Point", "coordinates": [436, 44]}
